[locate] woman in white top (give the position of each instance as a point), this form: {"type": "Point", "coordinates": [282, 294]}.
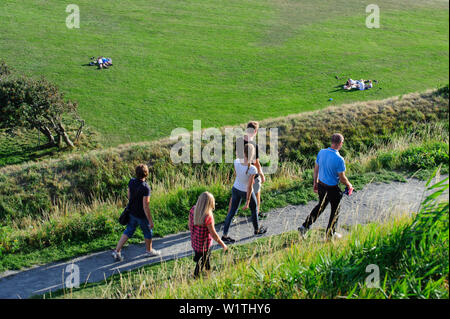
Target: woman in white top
{"type": "Point", "coordinates": [243, 189]}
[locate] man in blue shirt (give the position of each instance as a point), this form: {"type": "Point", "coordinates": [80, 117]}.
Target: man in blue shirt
{"type": "Point", "coordinates": [328, 171]}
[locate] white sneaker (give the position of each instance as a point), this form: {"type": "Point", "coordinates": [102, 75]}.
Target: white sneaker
{"type": "Point", "coordinates": [337, 236]}
{"type": "Point", "coordinates": [117, 256]}
{"type": "Point", "coordinates": [153, 252]}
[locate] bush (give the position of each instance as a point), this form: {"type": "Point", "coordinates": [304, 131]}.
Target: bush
{"type": "Point", "coordinates": [428, 156]}
{"type": "Point", "coordinates": [35, 104]}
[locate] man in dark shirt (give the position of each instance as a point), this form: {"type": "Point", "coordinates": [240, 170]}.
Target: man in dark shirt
{"type": "Point", "coordinates": [139, 189]}
{"type": "Point", "coordinates": [138, 206]}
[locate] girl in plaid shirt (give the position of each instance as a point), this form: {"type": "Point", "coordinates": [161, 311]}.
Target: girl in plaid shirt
{"type": "Point", "coordinates": [201, 225]}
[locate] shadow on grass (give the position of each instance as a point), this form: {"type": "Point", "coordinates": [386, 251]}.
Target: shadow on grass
{"type": "Point", "coordinates": [27, 153]}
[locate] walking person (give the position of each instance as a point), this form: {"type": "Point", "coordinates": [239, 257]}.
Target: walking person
{"type": "Point", "coordinates": [201, 225]}
{"type": "Point", "coordinates": [328, 171]}
{"type": "Point", "coordinates": [243, 189]}
{"type": "Point", "coordinates": [251, 132]}
{"type": "Point", "coordinates": [138, 205]}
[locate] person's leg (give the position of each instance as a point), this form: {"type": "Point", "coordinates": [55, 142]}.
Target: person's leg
{"type": "Point", "coordinates": [335, 196]}
{"type": "Point", "coordinates": [254, 210]}
{"type": "Point", "coordinates": [128, 233]}
{"type": "Point", "coordinates": [258, 200]}
{"type": "Point", "coordinates": [235, 202]}
{"type": "Point", "coordinates": [207, 263]}
{"type": "Point", "coordinates": [148, 244]}
{"type": "Point", "coordinates": [121, 242]}
{"type": "Point", "coordinates": [197, 258]}
{"type": "Point", "coordinates": [257, 191]}
{"type": "Point", "coordinates": [315, 213]}
{"type": "Point", "coordinates": [148, 233]}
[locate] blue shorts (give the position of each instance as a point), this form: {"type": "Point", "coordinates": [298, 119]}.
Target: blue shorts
{"type": "Point", "coordinates": [134, 222]}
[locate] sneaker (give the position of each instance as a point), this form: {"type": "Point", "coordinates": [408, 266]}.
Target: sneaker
{"type": "Point", "coordinates": [303, 230]}
{"type": "Point", "coordinates": [153, 252]}
{"type": "Point", "coordinates": [261, 230]}
{"type": "Point", "coordinates": [228, 240]}
{"type": "Point", "coordinates": [117, 256]}
{"type": "Point", "coordinates": [337, 236]}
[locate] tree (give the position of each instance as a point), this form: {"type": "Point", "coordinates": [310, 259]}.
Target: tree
{"type": "Point", "coordinates": [36, 104]}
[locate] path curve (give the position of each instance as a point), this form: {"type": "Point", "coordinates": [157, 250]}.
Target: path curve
{"type": "Point", "coordinates": [375, 202]}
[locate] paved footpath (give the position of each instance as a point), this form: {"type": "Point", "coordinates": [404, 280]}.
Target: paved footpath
{"type": "Point", "coordinates": [376, 202]}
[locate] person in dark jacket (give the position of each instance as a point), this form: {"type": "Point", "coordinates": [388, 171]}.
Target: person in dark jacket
{"type": "Point", "coordinates": [138, 205]}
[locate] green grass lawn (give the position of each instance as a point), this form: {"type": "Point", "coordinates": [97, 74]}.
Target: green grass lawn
{"type": "Point", "coordinates": [222, 62]}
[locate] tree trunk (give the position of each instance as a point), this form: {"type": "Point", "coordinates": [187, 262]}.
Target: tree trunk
{"type": "Point", "coordinates": [79, 130]}
{"type": "Point", "coordinates": [58, 139]}
{"type": "Point", "coordinates": [45, 130]}
{"type": "Point", "coordinates": [62, 133]}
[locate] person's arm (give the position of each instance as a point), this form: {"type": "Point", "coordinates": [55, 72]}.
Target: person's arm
{"type": "Point", "coordinates": [260, 172]}
{"type": "Point", "coordinates": [189, 222]}
{"type": "Point", "coordinates": [129, 194]}
{"type": "Point", "coordinates": [251, 181]}
{"type": "Point", "coordinates": [189, 219]}
{"type": "Point", "coordinates": [344, 180]}
{"type": "Point", "coordinates": [316, 178]}
{"type": "Point", "coordinates": [146, 205]}
{"type": "Point", "coordinates": [215, 236]}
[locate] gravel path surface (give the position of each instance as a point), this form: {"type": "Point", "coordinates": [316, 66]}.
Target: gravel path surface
{"type": "Point", "coordinates": [376, 202]}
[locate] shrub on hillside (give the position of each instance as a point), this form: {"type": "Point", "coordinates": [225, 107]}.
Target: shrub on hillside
{"type": "Point", "coordinates": [35, 104]}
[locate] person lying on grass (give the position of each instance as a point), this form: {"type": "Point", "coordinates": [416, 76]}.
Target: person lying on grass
{"type": "Point", "coordinates": [104, 62]}
{"type": "Point", "coordinates": [201, 225]}
{"type": "Point", "coordinates": [360, 85]}
{"type": "Point", "coordinates": [350, 84]}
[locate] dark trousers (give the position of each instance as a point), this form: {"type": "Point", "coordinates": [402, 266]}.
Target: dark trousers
{"type": "Point", "coordinates": [236, 197]}
{"type": "Point", "coordinates": [202, 261]}
{"type": "Point", "coordinates": [327, 194]}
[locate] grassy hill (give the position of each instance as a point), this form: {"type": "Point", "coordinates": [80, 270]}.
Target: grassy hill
{"type": "Point", "coordinates": [222, 62]}
{"type": "Point", "coordinates": [66, 207]}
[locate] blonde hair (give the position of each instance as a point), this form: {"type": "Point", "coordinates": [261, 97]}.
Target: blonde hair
{"type": "Point", "coordinates": [205, 204]}
{"type": "Point", "coordinates": [249, 152]}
